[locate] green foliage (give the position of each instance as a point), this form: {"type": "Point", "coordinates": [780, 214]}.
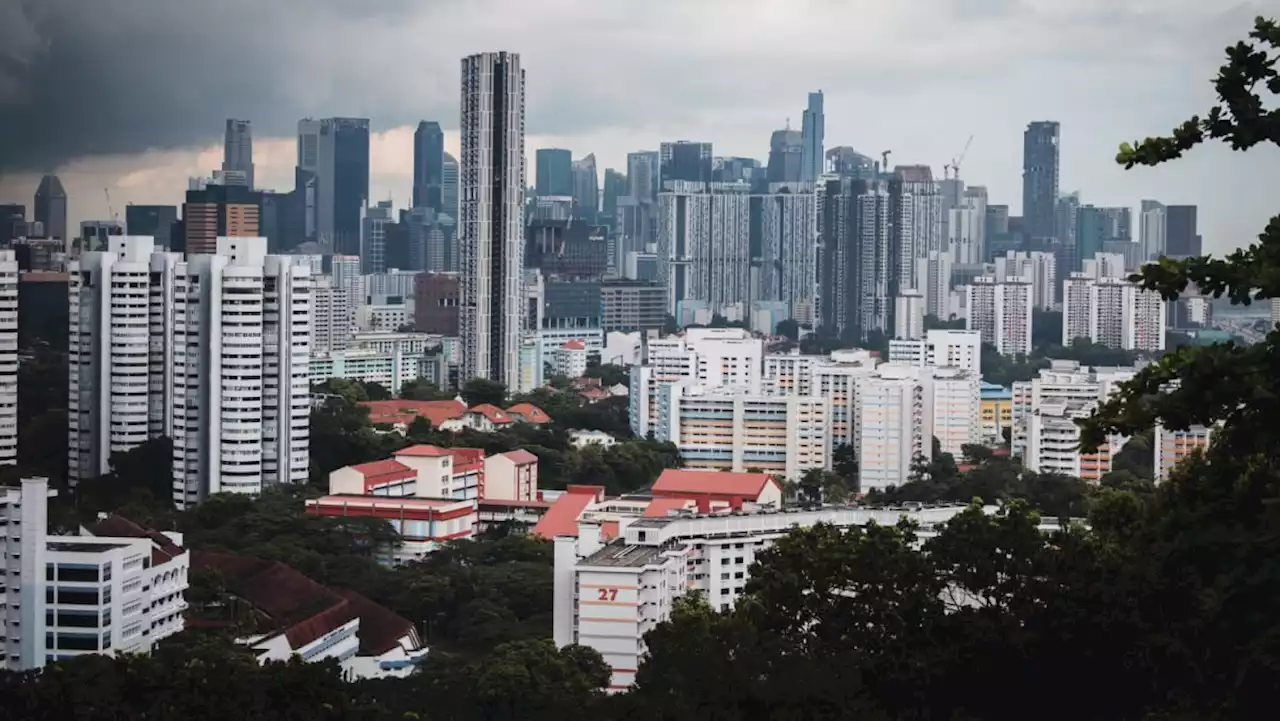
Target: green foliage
{"type": "Point", "coordinates": [424, 390]}
{"type": "Point", "coordinates": [933, 322]}
{"type": "Point", "coordinates": [608, 373]}
{"type": "Point", "coordinates": [478, 391]}
{"type": "Point", "coordinates": [993, 479]}
{"type": "Point", "coordinates": [789, 329]}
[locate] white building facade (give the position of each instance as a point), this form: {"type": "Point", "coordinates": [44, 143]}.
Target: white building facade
{"type": "Point", "coordinates": [8, 358]}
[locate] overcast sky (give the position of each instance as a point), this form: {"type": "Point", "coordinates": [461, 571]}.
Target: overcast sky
{"type": "Point", "coordinates": [131, 95]}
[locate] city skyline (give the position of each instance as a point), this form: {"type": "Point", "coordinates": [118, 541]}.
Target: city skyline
{"type": "Point", "coordinates": [1137, 92]}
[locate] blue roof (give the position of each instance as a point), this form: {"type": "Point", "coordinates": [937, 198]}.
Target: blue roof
{"type": "Point", "coordinates": [995, 392]}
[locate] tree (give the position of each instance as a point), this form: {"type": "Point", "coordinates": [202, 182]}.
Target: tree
{"type": "Point", "coordinates": [608, 373]}
{"type": "Point", "coordinates": [479, 391]}
{"type": "Point", "coordinates": [844, 461]}
{"type": "Point", "coordinates": [423, 390]}
{"type": "Point", "coordinates": [789, 329]}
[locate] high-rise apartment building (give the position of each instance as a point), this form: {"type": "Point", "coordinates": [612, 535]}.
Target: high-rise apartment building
{"type": "Point", "coordinates": [237, 153]}
{"type": "Point", "coordinates": [1001, 310]}
{"type": "Point", "coordinates": [643, 173]}
{"type": "Point", "coordinates": [373, 237]}
{"type": "Point", "coordinates": [860, 266]}
{"type": "Point", "coordinates": [786, 251]}
{"type": "Point", "coordinates": [1182, 240]}
{"type": "Point", "coordinates": [1104, 307]}
{"type": "Point", "coordinates": [1038, 268]}
{"type": "Point", "coordinates": [684, 160]}
{"type": "Point", "coordinates": [8, 357]}
{"type": "Point", "coordinates": [491, 226]}
{"type": "Point", "coordinates": [428, 167]}
{"type": "Point", "coordinates": [334, 152]}
{"type": "Point", "coordinates": [554, 172]}
{"type": "Point", "coordinates": [50, 209]}
{"type": "Point", "coordinates": [1040, 179]}
{"type": "Point", "coordinates": [933, 281]}
{"type": "Point", "coordinates": [966, 230]}
{"type": "Point", "coordinates": [894, 426]}
{"type": "Point", "coordinates": [332, 319]}
{"type": "Point", "coordinates": [813, 129]}
{"type": "Point", "coordinates": [210, 351]}
{"type": "Point", "coordinates": [217, 211]}
{"type": "Point", "coordinates": [704, 245]}
{"type": "Point", "coordinates": [1045, 432]}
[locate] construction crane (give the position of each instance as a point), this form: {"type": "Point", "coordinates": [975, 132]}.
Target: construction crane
{"type": "Point", "coordinates": [110, 210]}
{"type": "Point", "coordinates": [884, 160]}
{"type": "Point", "coordinates": [955, 162]}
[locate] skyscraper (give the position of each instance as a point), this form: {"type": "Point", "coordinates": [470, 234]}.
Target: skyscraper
{"type": "Point", "coordinates": [237, 152]}
{"type": "Point", "coordinates": [586, 189]}
{"type": "Point", "coordinates": [643, 170]}
{"type": "Point", "coordinates": [428, 167]}
{"type": "Point", "coordinates": [491, 224]}
{"type": "Point", "coordinates": [335, 151]}
{"type": "Point", "coordinates": [786, 156]}
{"type": "Point", "coordinates": [860, 262]}
{"type": "Point", "coordinates": [554, 167]}
{"type": "Point", "coordinates": [9, 358]}
{"type": "Point", "coordinates": [813, 128]}
{"type": "Point", "coordinates": [153, 220]}
{"type": "Point", "coordinates": [1152, 224]}
{"type": "Point", "coordinates": [615, 186]}
{"type": "Point", "coordinates": [1181, 238]}
{"type": "Point", "coordinates": [685, 160]}
{"type": "Point", "coordinates": [1040, 179]}
{"type": "Point", "coordinates": [449, 192]}
{"type": "Point", "coordinates": [51, 207]}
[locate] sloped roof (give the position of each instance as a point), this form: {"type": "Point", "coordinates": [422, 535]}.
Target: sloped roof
{"type": "Point", "coordinates": [529, 413]}
{"type": "Point", "coordinates": [380, 628]}
{"type": "Point", "coordinates": [492, 412]}
{"type": "Point", "coordinates": [659, 507]}
{"type": "Point", "coordinates": [423, 450]}
{"type": "Point", "coordinates": [521, 457]}
{"type": "Point", "coordinates": [561, 519]}
{"type": "Point", "coordinates": [387, 469]}
{"type": "Point", "coordinates": [404, 411]}
{"type": "Point", "coordinates": [719, 483]}
{"type": "Point", "coordinates": [163, 548]}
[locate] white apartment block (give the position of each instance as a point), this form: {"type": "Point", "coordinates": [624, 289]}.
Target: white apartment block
{"type": "Point", "coordinates": [712, 357]}
{"type": "Point", "coordinates": [1001, 311]}
{"type": "Point", "coordinates": [242, 347]}
{"type": "Point", "coordinates": [957, 408]}
{"type": "Point", "coordinates": [893, 425]}
{"type": "Point", "coordinates": [933, 279]}
{"type": "Point", "coordinates": [1064, 383]}
{"type": "Point", "coordinates": [212, 352]}
{"type": "Point", "coordinates": [120, 352]}
{"type": "Point", "coordinates": [1105, 265]}
{"type": "Point", "coordinates": [333, 317]}
{"type": "Point", "coordinates": [607, 596]}
{"type": "Point", "coordinates": [909, 309]}
{"type": "Point", "coordinates": [1038, 268]}
{"type": "Point", "coordinates": [1053, 441]}
{"type": "Point", "coordinates": [966, 230]}
{"type": "Point", "coordinates": [389, 359]}
{"type": "Point", "coordinates": [834, 378]}
{"type": "Point", "coordinates": [734, 430]}
{"type": "Point", "coordinates": [1113, 312]}
{"type": "Point", "coordinates": [8, 358]}
{"type": "Point", "coordinates": [394, 282]}
{"type": "Point", "coordinates": [941, 348]}
{"type": "Point", "coordinates": [68, 596]}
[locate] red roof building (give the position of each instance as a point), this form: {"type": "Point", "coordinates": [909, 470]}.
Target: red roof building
{"type": "Point", "coordinates": [423, 523]}
{"type": "Point", "coordinates": [528, 413]}
{"type": "Point", "coordinates": [712, 486]}
{"type": "Point", "coordinates": [562, 518]}
{"type": "Point", "coordinates": [403, 412]}
{"type": "Point", "coordinates": [488, 417]}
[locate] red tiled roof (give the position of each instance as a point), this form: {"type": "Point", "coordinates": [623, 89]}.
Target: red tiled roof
{"type": "Point", "coordinates": [384, 471]}
{"type": "Point", "coordinates": [422, 450]}
{"type": "Point", "coordinates": [562, 518]}
{"type": "Point", "coordinates": [593, 393]}
{"type": "Point", "coordinates": [574, 345]}
{"type": "Point", "coordinates": [294, 604]}
{"type": "Point", "coordinates": [718, 483]}
{"type": "Point", "coordinates": [659, 507]}
{"type": "Point", "coordinates": [380, 628]}
{"type": "Point", "coordinates": [521, 457]}
{"type": "Point", "coordinates": [586, 383]}
{"type": "Point", "coordinates": [164, 548]}
{"type": "Point", "coordinates": [403, 411]}
{"type": "Point", "coordinates": [492, 412]}
{"type": "Point", "coordinates": [529, 413]}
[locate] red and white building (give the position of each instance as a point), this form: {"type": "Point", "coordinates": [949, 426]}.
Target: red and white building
{"type": "Point", "coordinates": [433, 495]}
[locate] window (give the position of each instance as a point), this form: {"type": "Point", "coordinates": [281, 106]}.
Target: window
{"type": "Point", "coordinates": [76, 597]}
{"type": "Point", "coordinates": [78, 574]}
{"type": "Point", "coordinates": [77, 642]}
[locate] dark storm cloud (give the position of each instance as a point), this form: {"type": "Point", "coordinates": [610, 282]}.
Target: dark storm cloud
{"type": "Point", "coordinates": [94, 77]}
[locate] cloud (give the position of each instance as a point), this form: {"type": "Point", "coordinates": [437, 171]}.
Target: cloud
{"type": "Point", "coordinates": [131, 94]}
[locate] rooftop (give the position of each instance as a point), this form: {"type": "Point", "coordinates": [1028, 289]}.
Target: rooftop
{"type": "Point", "coordinates": [617, 554]}
{"type": "Point", "coordinates": [492, 412]}
{"type": "Point", "coordinates": [404, 411]}
{"type": "Point", "coordinates": [720, 483]}
{"type": "Point", "coordinates": [520, 457]}
{"type": "Point", "coordinates": [84, 546]}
